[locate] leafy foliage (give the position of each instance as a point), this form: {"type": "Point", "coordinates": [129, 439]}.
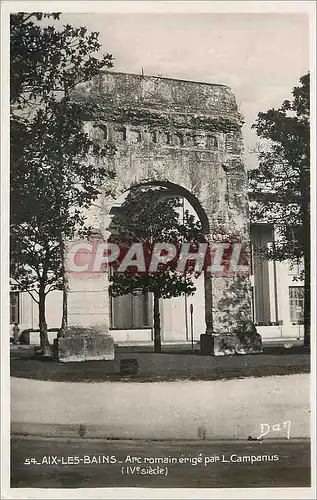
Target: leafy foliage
{"type": "Point", "coordinates": [45, 61]}
{"type": "Point", "coordinates": [280, 186]}
{"type": "Point", "coordinates": [152, 216]}
{"type": "Point", "coordinates": [56, 168]}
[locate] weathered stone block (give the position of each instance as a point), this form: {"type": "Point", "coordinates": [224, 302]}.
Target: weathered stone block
{"type": "Point", "coordinates": [85, 348]}
{"type": "Point", "coordinates": [230, 344]}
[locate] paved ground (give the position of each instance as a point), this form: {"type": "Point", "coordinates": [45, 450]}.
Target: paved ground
{"type": "Point", "coordinates": [222, 409]}
{"type": "Point", "coordinates": [166, 366]}
{"type": "Point", "coordinates": [289, 468]}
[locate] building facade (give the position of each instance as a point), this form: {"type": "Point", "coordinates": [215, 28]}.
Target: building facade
{"type": "Point", "coordinates": [277, 307]}
{"type": "Point", "coordinates": [277, 291]}
{"type": "Point", "coordinates": [186, 137]}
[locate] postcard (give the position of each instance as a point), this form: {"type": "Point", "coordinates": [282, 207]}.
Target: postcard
{"type": "Point", "coordinates": [158, 281]}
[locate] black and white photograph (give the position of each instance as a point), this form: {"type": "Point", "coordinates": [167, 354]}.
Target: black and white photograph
{"type": "Point", "coordinates": [158, 250]}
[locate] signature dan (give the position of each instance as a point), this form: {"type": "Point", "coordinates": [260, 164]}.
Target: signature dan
{"type": "Point", "coordinates": [272, 429]}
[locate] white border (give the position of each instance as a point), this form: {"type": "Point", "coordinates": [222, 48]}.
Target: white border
{"type": "Point", "coordinates": [308, 7]}
{"type": "Point", "coordinates": [169, 6]}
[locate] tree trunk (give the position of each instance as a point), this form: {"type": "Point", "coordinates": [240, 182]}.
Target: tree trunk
{"type": "Point", "coordinates": [42, 321]}
{"type": "Point", "coordinates": [157, 324]}
{"type": "Point", "coordinates": [208, 304]}
{"type": "Point", "coordinates": [306, 251]}
{"type": "Point", "coordinates": [65, 285]}
{"type": "Point", "coordinates": [64, 317]}
{"type": "Point", "coordinates": [307, 299]}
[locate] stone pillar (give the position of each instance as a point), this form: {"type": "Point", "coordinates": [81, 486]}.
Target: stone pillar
{"type": "Point", "coordinates": [229, 326]}
{"type": "Point", "coordinates": [86, 333]}
{"type": "Point", "coordinates": [234, 330]}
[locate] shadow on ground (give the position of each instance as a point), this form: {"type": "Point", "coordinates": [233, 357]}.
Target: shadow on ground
{"type": "Point", "coordinates": [168, 366]}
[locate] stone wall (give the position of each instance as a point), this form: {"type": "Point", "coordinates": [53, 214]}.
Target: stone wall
{"type": "Point", "coordinates": [186, 136]}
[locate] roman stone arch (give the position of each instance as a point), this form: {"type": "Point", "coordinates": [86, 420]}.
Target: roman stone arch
{"type": "Point", "coordinates": [177, 191]}
{"type": "Point", "coordinates": [180, 134]}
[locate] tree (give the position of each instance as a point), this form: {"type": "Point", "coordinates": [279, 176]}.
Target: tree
{"type": "Point", "coordinates": [280, 186]}
{"type": "Point", "coordinates": [55, 174]}
{"type": "Point", "coordinates": [153, 216]}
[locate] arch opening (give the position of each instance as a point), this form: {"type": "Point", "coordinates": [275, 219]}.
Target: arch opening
{"type": "Point", "coordinates": [172, 190]}
{"type": "Point", "coordinates": [183, 318]}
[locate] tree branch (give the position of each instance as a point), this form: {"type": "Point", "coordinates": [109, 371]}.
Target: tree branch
{"type": "Point", "coordinates": [26, 290]}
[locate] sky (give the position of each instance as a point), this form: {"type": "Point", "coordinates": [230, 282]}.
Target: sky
{"type": "Point", "coordinates": [261, 56]}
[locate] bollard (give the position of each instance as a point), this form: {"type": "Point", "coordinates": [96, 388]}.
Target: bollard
{"type": "Point", "coordinates": [129, 366]}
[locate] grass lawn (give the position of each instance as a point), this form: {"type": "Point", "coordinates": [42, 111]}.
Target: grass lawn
{"type": "Point", "coordinates": [167, 366]}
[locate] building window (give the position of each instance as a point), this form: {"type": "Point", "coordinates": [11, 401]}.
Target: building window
{"type": "Point", "coordinates": [296, 303]}
{"type": "Point", "coordinates": [295, 269]}
{"type": "Point", "coordinates": [14, 307]}
{"type": "Point", "coordinates": [145, 306]}
{"type": "Point", "coordinates": [189, 141]}
{"type": "Point", "coordinates": [166, 138]}
{"type": "Point", "coordinates": [120, 134]}
{"type": "Point", "coordinates": [154, 136]}
{"type": "Point", "coordinates": [134, 135]}
{"type": "Point", "coordinates": [212, 141]}
{"type": "Point", "coordinates": [100, 131]}
{"type": "Point", "coordinates": [131, 311]}
{"type": "Point", "coordinates": [178, 140]}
